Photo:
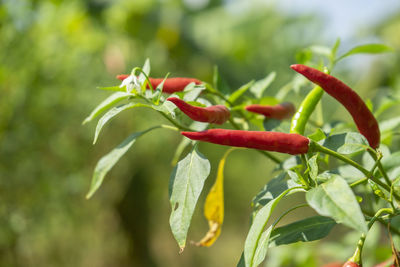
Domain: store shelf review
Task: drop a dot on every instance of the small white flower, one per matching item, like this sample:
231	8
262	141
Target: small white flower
130	82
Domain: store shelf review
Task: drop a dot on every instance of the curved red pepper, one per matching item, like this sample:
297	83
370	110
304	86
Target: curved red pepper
272	141
281	111
217	114
362	116
171	85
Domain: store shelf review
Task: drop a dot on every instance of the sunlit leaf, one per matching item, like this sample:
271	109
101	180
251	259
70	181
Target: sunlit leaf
106	104
239	92
367	49
186	184
192	91
111	114
108	161
335	199
259	87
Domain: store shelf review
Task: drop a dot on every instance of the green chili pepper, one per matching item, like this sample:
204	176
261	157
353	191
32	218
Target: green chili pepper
305	110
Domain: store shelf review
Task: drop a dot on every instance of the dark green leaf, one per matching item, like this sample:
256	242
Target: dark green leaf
220	83
186	184
306	230
239	92
335	199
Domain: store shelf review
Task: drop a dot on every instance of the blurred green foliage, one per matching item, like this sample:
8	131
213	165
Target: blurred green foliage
54	53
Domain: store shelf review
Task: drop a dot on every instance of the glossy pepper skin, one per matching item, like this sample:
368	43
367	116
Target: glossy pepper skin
362	116
217	114
171	85
280	112
293	144
305	110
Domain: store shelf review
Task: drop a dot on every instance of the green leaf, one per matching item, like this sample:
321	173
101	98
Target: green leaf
106	104
273	189
108	161
335	48
239	92
146	70
256	243
220	83
192	91
259	87
271	124
158	92
306	230
335	199
317	136
196	126
186	184
111	114
367	49
346	143
349	173
241	261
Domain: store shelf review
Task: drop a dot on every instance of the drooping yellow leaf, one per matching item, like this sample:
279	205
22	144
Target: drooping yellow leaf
214	206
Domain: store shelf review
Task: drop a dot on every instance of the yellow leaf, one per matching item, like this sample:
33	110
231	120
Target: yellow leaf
214	206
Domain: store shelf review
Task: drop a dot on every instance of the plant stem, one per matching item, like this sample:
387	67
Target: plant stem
380	167
325	150
392	229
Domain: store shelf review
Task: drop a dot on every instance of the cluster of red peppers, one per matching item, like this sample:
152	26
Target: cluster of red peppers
290	143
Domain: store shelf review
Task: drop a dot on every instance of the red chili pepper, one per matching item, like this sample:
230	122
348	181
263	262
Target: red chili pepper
362	116
351	264
281	111
217	114
272	141
171	85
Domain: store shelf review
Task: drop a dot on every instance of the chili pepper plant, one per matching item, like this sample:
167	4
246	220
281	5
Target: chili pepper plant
347	171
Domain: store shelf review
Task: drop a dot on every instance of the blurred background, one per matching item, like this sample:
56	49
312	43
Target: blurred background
53	55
